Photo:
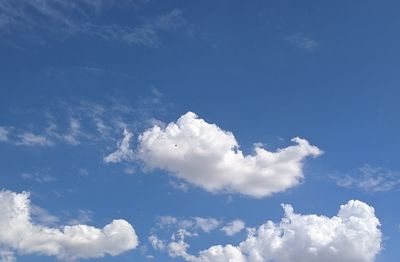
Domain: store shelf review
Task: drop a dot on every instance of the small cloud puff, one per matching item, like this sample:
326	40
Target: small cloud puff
233	227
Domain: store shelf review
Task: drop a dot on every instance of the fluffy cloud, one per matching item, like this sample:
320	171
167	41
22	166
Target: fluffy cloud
156	243
233	227
351	236
206	224
20	234
123	152
207	156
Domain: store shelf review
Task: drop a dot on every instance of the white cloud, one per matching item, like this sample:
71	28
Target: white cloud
7	256
351	236
206	224
233	227
371	179
30	139
156	243
123	152
202	154
19	234
178	247
182	228
166	221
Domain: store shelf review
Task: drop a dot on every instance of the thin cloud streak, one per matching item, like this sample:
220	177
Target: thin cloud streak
34	20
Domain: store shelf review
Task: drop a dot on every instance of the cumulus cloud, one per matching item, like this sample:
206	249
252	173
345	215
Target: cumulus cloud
233	227
123	152
19	234
204	155
351	236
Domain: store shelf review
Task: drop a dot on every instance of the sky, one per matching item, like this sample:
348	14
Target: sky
199	131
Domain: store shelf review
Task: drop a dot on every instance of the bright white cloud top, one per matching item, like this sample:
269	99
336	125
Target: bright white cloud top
351	236
20	234
234	227
207	156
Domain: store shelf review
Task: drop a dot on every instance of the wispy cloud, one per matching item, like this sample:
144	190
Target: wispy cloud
84	216
30	139
191	225
371	179
76	123
42	216
35	19
146	34
302	42
39	177
179	185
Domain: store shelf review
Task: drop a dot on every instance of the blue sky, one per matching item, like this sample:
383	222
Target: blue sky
87	91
